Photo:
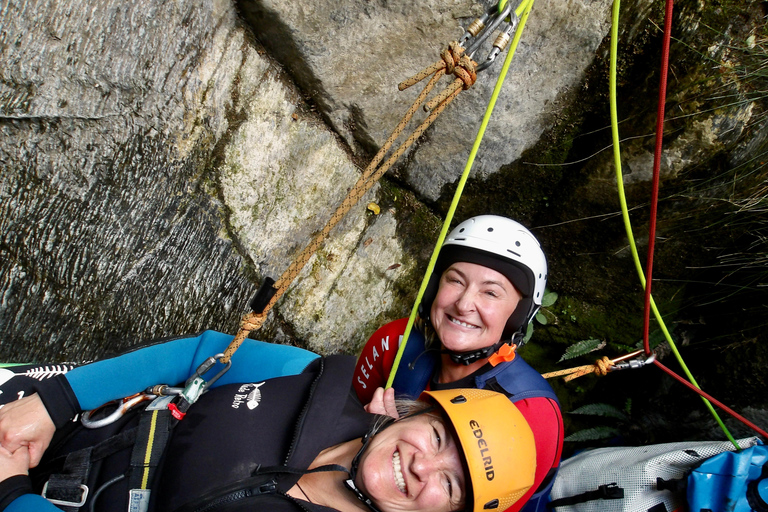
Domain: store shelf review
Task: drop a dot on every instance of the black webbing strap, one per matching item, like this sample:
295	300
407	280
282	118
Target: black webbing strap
154	433
604	492
68	489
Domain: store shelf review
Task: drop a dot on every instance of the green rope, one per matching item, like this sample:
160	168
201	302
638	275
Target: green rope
525	9
625	213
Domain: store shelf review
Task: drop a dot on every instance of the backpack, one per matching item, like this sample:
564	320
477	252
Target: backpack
638	479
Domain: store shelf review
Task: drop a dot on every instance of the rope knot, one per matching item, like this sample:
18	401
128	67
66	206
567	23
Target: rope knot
452	56
459	64
466	71
603	366
252	321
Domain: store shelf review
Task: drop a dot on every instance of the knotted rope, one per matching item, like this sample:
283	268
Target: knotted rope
601	367
463	68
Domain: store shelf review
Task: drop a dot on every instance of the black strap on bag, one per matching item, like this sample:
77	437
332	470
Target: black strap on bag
605	492
154	433
69	490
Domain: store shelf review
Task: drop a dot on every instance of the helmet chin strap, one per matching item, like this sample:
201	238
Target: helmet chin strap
471	356
350	482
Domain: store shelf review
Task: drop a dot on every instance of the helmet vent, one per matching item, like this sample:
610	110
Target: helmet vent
490	230
517	243
491	505
510	251
460	399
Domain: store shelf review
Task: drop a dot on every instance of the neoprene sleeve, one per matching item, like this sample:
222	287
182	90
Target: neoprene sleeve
172	362
31	503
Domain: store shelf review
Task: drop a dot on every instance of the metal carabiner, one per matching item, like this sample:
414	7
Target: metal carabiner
196	385
124	405
207	365
481	29
634	363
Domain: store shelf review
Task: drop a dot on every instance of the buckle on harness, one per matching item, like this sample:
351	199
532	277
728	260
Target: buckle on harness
65	503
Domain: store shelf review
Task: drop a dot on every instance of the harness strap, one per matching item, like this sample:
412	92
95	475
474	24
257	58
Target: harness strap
69	489
154	429
154	433
604	492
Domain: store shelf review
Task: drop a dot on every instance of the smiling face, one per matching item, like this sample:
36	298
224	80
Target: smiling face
414	464
472	306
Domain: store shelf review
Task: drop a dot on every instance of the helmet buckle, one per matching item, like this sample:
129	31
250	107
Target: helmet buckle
505	353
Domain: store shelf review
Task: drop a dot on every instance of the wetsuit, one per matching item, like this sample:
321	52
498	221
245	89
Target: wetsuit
214	450
529	391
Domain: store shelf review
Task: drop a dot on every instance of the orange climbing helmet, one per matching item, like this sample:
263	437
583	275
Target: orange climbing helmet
496	441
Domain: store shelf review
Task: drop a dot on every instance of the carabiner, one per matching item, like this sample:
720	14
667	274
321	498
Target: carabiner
207	365
124	405
501	42
634	363
196	385
483	27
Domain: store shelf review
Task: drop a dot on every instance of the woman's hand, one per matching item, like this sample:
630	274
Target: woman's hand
12	464
26	424
383	402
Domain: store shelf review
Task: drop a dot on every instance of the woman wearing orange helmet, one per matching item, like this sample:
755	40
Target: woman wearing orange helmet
306	444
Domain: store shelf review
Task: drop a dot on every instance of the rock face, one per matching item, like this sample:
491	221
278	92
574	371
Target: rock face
350	54
156	165
160	160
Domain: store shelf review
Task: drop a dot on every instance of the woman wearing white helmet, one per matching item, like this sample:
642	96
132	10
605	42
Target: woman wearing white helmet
487	285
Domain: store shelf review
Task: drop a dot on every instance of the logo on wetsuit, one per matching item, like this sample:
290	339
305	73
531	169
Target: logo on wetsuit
484	450
248	394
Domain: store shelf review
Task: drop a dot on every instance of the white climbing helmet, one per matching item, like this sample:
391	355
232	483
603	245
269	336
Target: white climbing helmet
505	246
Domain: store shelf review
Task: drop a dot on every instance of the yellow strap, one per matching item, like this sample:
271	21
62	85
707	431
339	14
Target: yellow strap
148	454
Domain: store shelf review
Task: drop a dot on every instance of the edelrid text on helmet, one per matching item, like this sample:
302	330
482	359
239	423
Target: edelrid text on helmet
505	246
497	444
485	451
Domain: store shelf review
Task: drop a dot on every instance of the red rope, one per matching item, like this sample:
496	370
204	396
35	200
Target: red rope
657	171
652	223
714	401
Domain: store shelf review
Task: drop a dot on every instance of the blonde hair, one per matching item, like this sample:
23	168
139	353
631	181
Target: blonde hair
405	407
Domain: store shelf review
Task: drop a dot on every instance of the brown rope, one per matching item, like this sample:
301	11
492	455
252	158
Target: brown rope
464	70
601	367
